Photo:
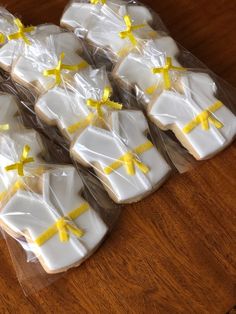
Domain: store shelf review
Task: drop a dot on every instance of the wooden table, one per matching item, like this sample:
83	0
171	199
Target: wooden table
175	251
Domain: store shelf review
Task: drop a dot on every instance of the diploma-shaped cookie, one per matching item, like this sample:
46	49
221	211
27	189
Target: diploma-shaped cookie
49	62
9	116
73	109
127	163
202	123
60	226
14	36
17	151
139	69
114	28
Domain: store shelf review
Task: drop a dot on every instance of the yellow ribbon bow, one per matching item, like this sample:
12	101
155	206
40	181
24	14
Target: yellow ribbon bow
98	1
205	118
4	127
128	33
24	159
21	32
60	66
165	71
105	101
2	38
130	160
64	226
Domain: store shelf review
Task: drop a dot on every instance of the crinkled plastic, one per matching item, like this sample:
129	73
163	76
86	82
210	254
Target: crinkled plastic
44	207
103	135
179	94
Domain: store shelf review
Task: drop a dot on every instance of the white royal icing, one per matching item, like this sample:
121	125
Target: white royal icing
65	107
31	214
11	147
172	109
105	33
44	55
136	68
82	15
100	148
12	49
8	112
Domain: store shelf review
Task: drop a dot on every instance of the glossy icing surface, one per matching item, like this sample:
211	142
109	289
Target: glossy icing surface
100	148
31	214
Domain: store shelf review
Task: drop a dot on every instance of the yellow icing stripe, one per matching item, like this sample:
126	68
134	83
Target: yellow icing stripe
204	118
21	32
63	226
128	33
81	124
98	1
60	66
165	72
129	160
105	101
14	188
24	159
4	127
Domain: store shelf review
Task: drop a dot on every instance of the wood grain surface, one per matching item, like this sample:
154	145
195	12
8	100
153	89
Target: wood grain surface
175	251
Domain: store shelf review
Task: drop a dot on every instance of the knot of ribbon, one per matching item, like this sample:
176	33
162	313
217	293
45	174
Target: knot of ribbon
64	227
130	160
204	119
60	66
21	32
98	1
24	159
4	127
128	33
165	71
105	101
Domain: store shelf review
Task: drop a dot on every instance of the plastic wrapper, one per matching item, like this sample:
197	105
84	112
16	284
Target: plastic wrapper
104	136
44	207
178	93
14	36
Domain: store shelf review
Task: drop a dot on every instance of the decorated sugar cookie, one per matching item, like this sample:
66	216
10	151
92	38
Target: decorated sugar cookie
50	62
60	226
18	150
115	28
81	15
202	123
139	69
127	163
74	108
14	36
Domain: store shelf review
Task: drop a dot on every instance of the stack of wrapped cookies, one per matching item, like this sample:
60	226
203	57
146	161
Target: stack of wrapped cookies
117	90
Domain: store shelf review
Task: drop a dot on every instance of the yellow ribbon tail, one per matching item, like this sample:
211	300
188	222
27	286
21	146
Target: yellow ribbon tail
2	38
114	105
167	80
151	90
